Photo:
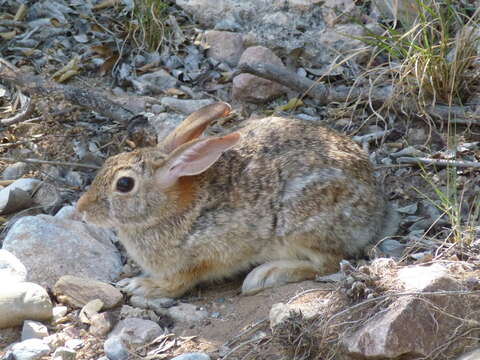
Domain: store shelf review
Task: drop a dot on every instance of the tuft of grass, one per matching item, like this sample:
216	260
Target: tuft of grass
433	60
149	27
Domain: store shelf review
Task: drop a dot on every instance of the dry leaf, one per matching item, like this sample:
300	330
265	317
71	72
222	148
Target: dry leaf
8	35
106	4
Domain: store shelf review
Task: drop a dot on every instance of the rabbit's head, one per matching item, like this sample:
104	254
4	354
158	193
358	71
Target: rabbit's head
143	186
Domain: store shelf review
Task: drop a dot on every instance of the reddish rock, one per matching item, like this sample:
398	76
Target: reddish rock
252	88
224	46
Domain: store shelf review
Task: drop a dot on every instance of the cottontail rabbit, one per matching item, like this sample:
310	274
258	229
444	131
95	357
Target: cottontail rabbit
287	196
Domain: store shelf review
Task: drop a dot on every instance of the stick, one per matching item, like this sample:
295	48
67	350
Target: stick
438	162
33	84
39	161
371	137
311	88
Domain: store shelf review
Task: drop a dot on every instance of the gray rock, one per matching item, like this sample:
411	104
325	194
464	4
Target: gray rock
164	123
187	313
134	331
33	330
156	304
31	349
114	349
134	312
14	171
64	353
17	195
185	106
154	83
389	335
23	301
11	269
251	88
74	344
77	292
192	356
101	324
68	212
47	197
409	209
224	46
63	247
90	309
472	355
392	248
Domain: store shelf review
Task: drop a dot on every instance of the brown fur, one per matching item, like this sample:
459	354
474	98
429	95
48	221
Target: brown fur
291	195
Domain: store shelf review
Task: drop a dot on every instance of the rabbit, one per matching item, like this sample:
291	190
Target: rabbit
286	197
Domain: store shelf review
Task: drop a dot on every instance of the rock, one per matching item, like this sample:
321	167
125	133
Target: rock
30	349
17	195
252	88
192	356
77	292
134	331
68	212
11	269
47	197
63	247
23	301
33	330
156	304
340	39
64	353
187	313
224	46
154	83
114	349
409	209
101	324
90	309
472	355
74	344
403	10
185	106
59	312
392	248
164	123
412	326
133	312
14	171
338	11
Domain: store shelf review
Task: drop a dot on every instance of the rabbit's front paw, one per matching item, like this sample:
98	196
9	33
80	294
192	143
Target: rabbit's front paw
148	287
277	273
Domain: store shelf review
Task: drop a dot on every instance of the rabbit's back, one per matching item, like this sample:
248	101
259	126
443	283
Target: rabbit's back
291	186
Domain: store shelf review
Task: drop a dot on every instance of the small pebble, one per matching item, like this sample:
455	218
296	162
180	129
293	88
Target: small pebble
64	353
192	356
114	349
30	349
33	330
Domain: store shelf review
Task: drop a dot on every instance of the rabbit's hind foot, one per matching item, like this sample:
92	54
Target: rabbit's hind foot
149	287
278	273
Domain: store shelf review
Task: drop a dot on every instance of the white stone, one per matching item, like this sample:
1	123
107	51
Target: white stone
31	349
59	312
23	301
33	330
64	353
11	269
63	247
135	331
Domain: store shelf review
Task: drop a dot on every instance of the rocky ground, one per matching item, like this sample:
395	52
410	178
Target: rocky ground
414	295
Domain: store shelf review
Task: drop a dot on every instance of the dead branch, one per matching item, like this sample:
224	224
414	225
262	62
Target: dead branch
455	114
312	88
26	109
34	84
438	162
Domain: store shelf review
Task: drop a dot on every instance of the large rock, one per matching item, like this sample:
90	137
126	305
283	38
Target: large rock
411	326
77	292
23	301
51	247
187	313
252	88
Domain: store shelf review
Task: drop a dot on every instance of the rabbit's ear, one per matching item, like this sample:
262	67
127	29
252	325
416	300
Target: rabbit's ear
194	125
193	158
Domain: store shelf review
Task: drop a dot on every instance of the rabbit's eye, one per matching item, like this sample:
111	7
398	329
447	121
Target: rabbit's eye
125	184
